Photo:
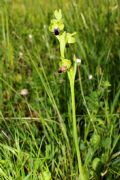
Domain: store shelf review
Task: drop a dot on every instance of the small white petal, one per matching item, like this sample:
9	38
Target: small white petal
24	92
55	27
30	36
90	76
20	54
79	61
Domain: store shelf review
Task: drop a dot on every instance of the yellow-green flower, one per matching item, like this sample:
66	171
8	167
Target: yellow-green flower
56	24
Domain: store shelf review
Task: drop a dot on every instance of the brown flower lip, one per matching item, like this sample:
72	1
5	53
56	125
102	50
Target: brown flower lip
62	69
56	31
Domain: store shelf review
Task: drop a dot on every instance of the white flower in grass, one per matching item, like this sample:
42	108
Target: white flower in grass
79	61
90	76
30	37
24	92
20	55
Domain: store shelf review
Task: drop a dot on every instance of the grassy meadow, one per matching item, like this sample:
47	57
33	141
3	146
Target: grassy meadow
36	131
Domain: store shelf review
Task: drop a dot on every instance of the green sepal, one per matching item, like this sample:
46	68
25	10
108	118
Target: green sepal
58	14
71	38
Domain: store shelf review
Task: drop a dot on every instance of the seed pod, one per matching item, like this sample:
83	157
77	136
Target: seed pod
56	31
62	69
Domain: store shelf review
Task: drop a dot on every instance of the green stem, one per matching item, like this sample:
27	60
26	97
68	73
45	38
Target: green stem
75	134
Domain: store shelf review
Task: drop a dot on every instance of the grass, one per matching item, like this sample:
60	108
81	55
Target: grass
36	137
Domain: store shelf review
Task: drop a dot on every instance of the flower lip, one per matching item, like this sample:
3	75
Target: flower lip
56	31
62	69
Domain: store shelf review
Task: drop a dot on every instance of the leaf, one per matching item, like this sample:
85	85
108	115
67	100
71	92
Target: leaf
93	102
106	84
115	101
106	143
100	121
46	175
97	167
82	146
95	140
89	156
96	163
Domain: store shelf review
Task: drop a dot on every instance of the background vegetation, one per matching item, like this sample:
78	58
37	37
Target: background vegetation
33	144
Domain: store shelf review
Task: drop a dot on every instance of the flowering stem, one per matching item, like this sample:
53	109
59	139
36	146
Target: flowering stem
75	134
66	65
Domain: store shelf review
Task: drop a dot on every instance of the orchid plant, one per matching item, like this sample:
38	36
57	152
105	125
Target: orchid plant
69	66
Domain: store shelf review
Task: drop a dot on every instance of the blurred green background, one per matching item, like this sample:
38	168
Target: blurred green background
32	142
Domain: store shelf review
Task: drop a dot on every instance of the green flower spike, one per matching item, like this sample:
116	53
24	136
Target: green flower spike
65	64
